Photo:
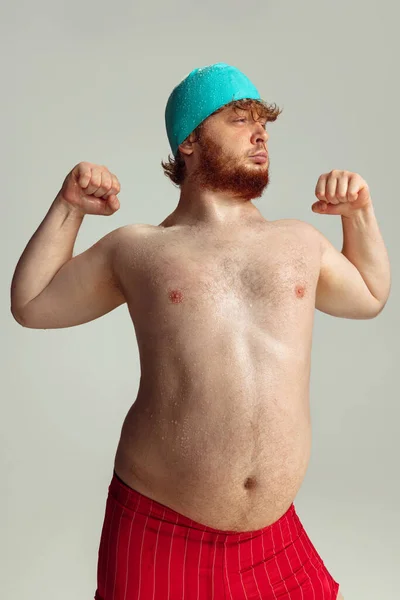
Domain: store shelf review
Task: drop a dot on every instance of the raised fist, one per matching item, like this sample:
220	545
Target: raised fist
91	189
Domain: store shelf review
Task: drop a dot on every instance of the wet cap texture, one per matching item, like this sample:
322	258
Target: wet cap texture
201	93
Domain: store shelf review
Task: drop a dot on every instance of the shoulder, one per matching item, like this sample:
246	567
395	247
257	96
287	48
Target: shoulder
133	229
300	226
126	240
307	232
295	223
132	232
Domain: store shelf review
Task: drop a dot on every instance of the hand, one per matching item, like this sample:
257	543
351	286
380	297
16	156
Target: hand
341	193
91	189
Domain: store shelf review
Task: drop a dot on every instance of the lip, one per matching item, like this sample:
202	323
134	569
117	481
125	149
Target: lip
264	154
260	158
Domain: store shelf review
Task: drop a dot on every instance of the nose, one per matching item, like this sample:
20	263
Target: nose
260	134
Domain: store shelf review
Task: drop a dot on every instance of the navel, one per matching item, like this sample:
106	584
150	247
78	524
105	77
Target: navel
176	296
250	483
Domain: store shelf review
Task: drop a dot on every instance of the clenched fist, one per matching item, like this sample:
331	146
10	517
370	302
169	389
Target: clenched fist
91	189
341	193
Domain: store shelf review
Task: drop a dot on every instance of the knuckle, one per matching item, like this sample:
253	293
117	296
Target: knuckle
83	167
107	182
114	183
95	179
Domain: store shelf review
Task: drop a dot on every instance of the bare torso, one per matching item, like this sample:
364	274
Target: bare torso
220	430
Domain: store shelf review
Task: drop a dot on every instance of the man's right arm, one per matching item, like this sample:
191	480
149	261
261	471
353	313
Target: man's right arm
51	289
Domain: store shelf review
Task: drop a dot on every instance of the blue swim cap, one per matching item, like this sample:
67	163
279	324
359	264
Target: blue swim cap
201	93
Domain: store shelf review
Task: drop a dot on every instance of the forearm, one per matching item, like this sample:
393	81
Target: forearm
363	246
50	247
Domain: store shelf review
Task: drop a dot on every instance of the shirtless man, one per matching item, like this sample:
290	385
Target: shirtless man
216	445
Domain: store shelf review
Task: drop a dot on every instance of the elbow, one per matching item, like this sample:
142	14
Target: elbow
381	303
380	307
18	318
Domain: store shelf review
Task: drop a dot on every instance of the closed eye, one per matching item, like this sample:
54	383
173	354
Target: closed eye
265	124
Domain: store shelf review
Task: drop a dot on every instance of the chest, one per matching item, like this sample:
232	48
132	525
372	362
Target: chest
280	268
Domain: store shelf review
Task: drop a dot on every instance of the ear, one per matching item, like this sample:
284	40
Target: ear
187	145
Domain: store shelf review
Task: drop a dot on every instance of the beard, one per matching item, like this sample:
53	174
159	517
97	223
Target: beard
219	171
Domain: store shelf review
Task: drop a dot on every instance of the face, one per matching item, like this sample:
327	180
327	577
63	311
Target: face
221	157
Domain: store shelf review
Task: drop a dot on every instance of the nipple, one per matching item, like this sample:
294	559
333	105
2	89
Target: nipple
300	291
176	296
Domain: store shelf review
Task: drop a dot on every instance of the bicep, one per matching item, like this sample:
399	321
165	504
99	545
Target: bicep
341	290
84	289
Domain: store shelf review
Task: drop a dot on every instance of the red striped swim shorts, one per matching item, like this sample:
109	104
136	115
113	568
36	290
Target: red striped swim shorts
150	552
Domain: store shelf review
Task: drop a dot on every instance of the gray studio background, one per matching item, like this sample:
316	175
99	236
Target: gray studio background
89	81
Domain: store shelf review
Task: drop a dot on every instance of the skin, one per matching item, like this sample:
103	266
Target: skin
220	430
222	302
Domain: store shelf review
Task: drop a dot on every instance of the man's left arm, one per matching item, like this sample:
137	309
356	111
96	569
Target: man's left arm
354	283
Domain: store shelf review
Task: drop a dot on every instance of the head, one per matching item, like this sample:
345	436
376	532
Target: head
215	121
217	154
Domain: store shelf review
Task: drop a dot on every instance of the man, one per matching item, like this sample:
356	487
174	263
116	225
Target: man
216	445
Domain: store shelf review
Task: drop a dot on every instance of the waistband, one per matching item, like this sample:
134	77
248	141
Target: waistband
288	526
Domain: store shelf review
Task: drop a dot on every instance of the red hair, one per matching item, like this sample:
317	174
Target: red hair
175	168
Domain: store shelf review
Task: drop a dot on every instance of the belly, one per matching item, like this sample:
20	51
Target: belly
233	460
